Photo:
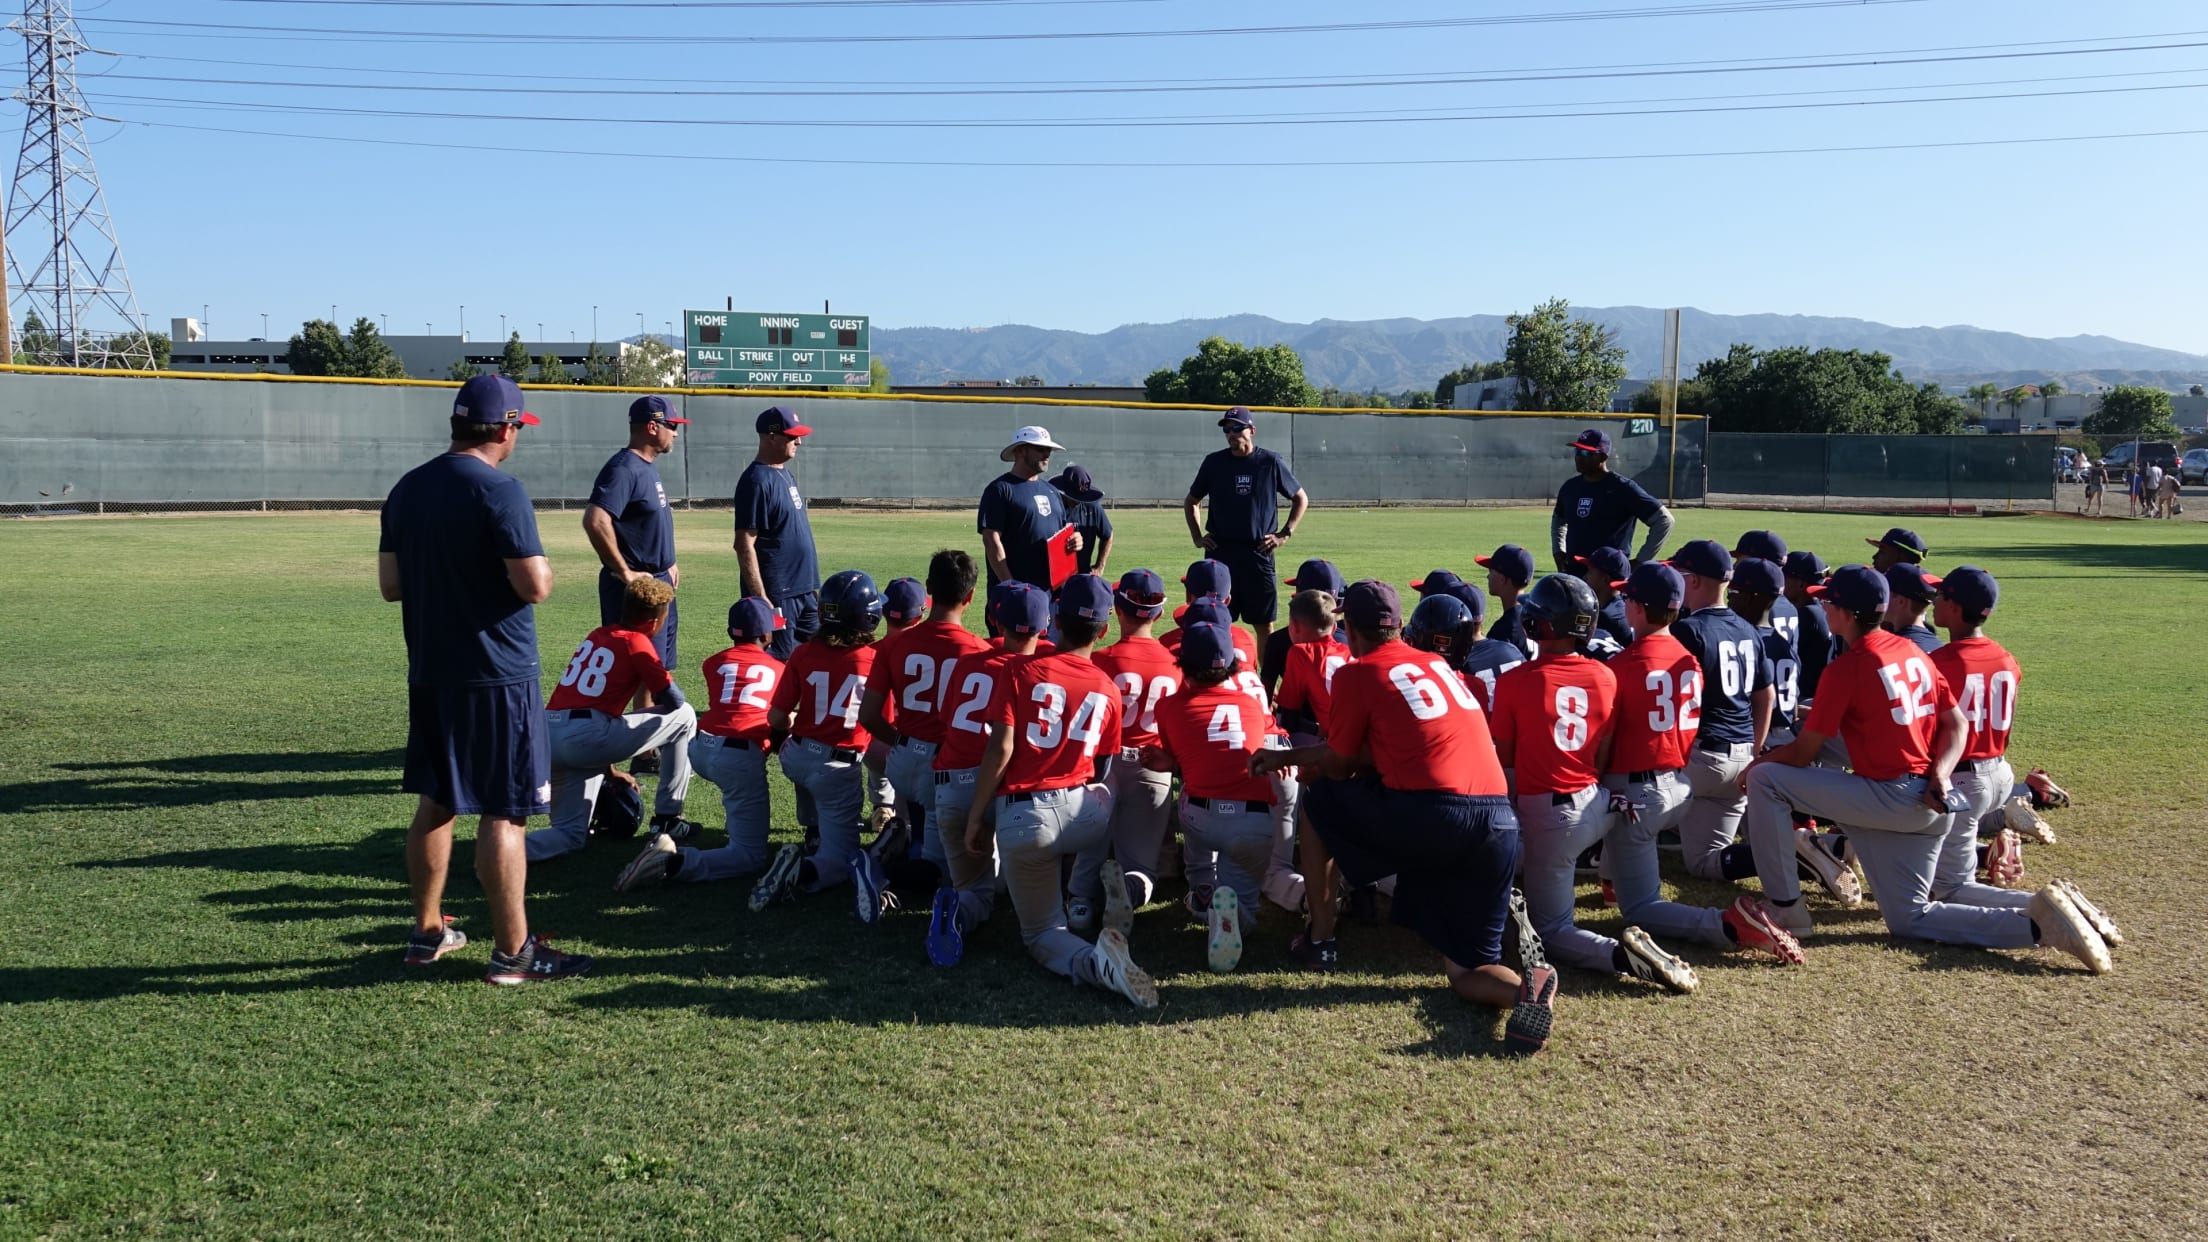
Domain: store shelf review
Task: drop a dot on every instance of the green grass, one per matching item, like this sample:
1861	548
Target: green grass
204	1028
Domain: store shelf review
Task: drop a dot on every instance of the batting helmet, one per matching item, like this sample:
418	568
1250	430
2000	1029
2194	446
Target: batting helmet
849	604
1559	606
1443	625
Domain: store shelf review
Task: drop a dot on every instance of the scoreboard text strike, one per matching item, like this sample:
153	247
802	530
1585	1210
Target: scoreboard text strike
776	351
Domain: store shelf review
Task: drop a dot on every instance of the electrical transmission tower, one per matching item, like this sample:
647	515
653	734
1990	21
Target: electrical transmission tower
64	265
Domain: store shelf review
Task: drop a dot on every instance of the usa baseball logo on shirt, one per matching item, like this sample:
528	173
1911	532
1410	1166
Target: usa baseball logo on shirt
661	488
1042	505
1586	505
1242	485
796	501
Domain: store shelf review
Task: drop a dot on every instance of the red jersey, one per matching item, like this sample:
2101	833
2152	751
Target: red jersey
1424	728
1307	677
917	667
1211	732
1245	643
1063	710
1882	696
1659	705
1554	711
1145	673
1983	678
821	689
741	683
966	723
606	671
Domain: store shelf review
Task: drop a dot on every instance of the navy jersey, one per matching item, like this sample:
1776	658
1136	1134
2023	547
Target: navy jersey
1786	671
1815	645
1923	637
1095	525
768	502
1242	494
1734	666
1600	513
1611	621
1510	628
1487	660
454	522
629	490
1024	514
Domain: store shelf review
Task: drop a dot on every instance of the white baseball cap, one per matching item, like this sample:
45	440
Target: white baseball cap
1037	436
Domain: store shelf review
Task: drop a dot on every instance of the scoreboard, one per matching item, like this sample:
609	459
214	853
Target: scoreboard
754	350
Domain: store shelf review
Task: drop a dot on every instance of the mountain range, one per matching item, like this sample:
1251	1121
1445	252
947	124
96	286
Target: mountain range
1396	354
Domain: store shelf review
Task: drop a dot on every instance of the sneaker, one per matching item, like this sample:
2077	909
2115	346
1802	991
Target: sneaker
677	829
1119	904
1198	900
422	948
1312	954
2025	821
1117	972
1141	889
870	889
1223	930
779	883
1647	961
1754	928
538	962
1080	916
2103	924
946	939
1530	953
649	867
892	843
2005	860
1832	873
1527	1031
2062	926
2045	792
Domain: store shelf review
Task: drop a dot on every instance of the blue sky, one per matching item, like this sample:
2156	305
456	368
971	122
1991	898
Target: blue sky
593	204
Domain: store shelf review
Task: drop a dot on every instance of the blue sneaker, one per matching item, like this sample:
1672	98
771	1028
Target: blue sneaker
870	887
946	942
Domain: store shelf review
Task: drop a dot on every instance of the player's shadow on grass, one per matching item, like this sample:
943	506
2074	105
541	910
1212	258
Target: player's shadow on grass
203	780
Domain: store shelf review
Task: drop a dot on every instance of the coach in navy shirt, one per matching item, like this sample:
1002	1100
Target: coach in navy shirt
1597	509
1020	510
1243	484
774	538
459	553
628	521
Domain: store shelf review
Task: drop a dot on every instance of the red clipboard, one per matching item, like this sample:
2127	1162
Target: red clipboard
1064	561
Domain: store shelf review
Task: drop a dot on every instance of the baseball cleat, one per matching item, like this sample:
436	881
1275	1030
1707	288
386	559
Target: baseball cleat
422	948
1198	900
892	842
538	962
1119	904
1223	930
2025	821
1527	1030
779	883
2045	792
2062	927
1832	873
676	827
2005	860
2103	924
646	764
1646	960
1754	928
1117	972
946	940
1081	916
1313	954
1530	953
870	889
649	867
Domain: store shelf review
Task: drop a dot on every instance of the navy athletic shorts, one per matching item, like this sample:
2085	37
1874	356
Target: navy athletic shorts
1256	595
610	592
801	620
1452	855
479	750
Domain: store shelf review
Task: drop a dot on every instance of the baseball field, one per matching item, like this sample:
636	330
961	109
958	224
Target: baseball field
205	1029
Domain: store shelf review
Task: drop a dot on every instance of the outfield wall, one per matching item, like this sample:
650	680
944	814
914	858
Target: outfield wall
87	440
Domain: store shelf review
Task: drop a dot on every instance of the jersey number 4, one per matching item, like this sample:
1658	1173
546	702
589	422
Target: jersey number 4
1050	727
843	704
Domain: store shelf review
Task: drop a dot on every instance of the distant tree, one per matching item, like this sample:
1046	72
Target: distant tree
2013	400
2198	391
1222	372
1028	381
1934	412
2131	410
651	363
461	371
601	368
1825	390
127	343
1415	399
514	362
550	370
1650	400
317	349
878	373
37	347
1987	392
1445	391
2053	388
368	355
1562	363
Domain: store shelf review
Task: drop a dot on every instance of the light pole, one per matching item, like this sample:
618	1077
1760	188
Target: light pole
502	327
264	325
540	329
204	330
594	325
640	323
463	321
385	316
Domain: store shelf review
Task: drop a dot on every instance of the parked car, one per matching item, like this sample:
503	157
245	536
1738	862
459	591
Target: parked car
2193	467
2150	453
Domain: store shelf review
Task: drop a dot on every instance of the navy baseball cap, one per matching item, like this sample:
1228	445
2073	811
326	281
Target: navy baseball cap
1855	588
1807	566
1142	593
1593	440
1074	481
904	599
1208	577
1907	542
1237	418
1437	582
1205	648
1371	604
1758	576
492	399
1318	574
1612	562
653	409
1511	561
1972	588
1085	596
780	419
1203	612
753	617
1761	543
1911	582
1019	608
1706	557
1654	585
1474	598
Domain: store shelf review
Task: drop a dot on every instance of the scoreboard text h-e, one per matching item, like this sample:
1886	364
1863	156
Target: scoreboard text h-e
750	349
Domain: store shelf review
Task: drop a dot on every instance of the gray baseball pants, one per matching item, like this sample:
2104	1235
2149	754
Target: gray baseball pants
1714	807
1553	830
911	771
1986	783
838	789
739	769
1142	803
973	875
1629	858
1034	832
1244	836
584	744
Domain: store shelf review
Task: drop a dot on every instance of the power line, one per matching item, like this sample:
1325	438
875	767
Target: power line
695	4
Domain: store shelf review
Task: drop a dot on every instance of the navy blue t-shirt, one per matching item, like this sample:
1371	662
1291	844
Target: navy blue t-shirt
1734	666
454	522
629	489
1611	621
1815	645
1601	513
768	502
1923	637
1242	494
1095	525
1510	628
1024	514
1489	659
1786	672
